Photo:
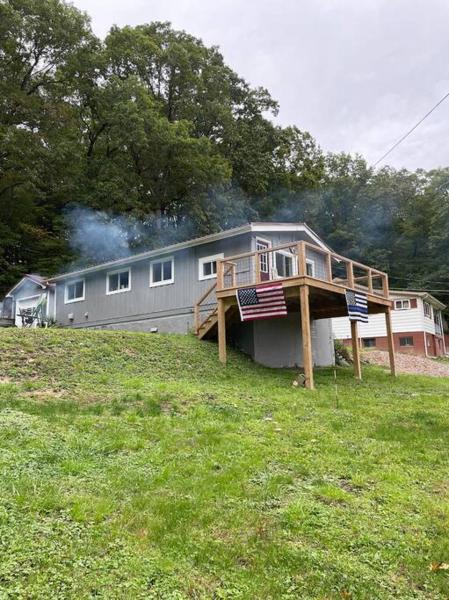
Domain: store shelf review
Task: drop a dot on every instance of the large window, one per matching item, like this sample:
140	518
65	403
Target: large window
207	266
118	281
406	341
402	304
74	291
285	263
162	271
427	310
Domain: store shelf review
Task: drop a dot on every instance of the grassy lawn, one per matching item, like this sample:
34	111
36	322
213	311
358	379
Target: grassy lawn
135	466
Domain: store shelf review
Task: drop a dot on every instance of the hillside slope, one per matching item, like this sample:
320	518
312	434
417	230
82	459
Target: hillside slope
135	466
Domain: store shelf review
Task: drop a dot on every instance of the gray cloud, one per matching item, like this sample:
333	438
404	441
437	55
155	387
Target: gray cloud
356	74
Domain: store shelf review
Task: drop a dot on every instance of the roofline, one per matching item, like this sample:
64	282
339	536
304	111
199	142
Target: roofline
424	295
30	278
212	237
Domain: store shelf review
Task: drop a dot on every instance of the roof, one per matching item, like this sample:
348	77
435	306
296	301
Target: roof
35	278
420	294
258	227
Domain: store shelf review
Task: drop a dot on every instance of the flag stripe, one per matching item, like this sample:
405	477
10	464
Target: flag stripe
357	306
263	301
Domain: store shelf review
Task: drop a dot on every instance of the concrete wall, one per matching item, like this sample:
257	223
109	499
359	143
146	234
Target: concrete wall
278	342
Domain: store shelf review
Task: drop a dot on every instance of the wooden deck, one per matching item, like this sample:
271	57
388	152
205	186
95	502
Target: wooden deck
313	296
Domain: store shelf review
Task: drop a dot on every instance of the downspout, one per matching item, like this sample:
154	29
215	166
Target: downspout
425	343
54	301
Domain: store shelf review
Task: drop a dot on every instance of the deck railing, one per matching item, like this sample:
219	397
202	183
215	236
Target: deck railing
299	259
287	262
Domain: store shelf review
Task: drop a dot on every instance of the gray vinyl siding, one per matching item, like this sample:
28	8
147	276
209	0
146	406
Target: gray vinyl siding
142	301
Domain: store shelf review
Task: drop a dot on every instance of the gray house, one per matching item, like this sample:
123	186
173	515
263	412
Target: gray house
156	291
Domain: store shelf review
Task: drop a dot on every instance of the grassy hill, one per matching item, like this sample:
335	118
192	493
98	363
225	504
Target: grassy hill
135	466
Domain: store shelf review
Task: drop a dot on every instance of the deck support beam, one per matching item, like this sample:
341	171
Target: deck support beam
356	350
307	358
390	341
221	310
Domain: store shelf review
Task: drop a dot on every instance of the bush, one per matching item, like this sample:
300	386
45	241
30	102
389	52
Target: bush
342	354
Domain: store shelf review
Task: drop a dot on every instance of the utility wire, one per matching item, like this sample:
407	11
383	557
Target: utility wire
412	129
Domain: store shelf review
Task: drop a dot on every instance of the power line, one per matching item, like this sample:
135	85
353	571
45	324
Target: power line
412	129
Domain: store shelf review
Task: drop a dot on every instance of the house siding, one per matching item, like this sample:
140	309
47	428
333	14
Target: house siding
143	302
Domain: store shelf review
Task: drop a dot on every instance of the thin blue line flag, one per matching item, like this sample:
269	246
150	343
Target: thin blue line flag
357	304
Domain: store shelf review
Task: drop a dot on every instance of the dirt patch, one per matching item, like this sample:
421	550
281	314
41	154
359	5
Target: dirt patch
408	363
5	379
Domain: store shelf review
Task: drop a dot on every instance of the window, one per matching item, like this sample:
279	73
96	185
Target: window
369	342
74	291
162	271
406	341
310	267
285	264
264	260
118	281
207	266
402	304
427	310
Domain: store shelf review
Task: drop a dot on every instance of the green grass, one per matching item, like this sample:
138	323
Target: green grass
135	466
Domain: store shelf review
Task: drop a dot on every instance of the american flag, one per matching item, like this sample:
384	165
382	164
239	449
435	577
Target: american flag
357	304
262	302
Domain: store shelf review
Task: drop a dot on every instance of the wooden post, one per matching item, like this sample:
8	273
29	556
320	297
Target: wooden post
350	274
221	330
370	281
220	275
329	265
356	350
257	267
196	312
234	275
306	337
302	265
385	287
390	341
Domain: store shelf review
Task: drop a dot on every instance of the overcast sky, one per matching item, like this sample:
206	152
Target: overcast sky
357	74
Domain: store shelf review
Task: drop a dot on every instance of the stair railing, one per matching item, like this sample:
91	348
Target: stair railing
222	272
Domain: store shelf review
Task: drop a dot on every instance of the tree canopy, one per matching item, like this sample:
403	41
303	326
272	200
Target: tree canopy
150	124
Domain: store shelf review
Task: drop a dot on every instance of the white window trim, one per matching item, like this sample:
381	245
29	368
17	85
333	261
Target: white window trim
287	254
430	315
310	262
165	281
269	254
402	307
206	259
108	291
72	281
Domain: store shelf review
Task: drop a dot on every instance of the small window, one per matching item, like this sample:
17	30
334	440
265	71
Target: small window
310	267
118	281
402	304
406	341
427	310
207	266
369	342
74	291
162	272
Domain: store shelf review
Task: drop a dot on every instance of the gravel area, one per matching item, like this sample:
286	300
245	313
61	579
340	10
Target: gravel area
409	363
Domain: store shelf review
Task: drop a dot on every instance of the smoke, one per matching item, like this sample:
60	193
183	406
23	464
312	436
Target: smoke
96	237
